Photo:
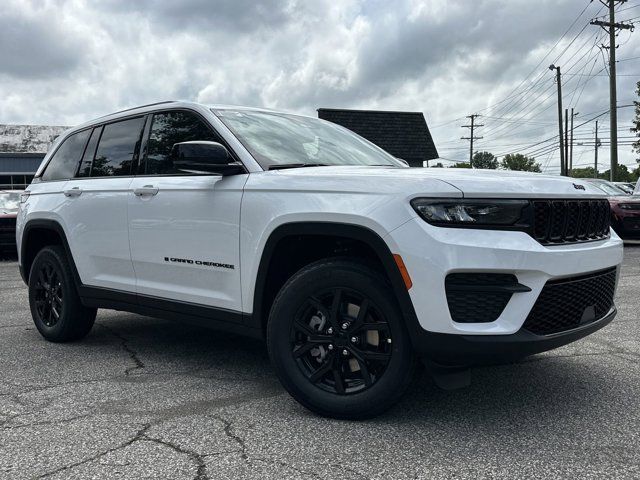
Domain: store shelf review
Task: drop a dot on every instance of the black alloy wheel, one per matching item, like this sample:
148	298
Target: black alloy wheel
341	341
48	294
337	340
56	307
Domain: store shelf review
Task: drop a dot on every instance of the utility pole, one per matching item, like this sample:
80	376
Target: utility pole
471	137
566	142
597	143
559	82
611	26
571	142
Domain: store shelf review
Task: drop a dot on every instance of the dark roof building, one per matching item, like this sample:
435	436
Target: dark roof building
404	135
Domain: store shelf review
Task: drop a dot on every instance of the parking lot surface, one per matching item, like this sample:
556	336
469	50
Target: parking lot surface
147	398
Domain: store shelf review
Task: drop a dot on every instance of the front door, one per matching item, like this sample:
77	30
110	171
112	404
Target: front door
184	228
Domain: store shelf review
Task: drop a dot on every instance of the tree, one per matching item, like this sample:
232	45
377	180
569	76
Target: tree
461	165
517	161
636	124
622	174
484	160
587	172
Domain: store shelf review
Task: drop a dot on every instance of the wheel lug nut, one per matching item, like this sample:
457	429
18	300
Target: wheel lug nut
345	352
345	325
330	347
388	340
329	331
354	339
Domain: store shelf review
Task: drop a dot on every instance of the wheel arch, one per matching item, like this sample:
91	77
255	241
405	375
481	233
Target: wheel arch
37	234
346	231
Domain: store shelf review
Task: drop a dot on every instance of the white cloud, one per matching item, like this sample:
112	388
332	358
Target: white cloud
72	60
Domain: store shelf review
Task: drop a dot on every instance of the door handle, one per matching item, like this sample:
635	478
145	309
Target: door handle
146	190
73	192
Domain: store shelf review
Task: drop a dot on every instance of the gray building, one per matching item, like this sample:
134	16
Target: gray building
22	148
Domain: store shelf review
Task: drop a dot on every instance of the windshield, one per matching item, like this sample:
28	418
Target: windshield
626	187
281	139
610	188
9	202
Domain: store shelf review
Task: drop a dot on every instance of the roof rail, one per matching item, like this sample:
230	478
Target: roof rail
135	108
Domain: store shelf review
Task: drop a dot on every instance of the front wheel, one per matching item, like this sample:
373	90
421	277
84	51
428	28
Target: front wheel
337	340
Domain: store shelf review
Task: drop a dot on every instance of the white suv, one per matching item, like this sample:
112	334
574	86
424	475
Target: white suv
296	230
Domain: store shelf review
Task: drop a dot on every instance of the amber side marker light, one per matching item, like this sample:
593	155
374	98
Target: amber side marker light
403	271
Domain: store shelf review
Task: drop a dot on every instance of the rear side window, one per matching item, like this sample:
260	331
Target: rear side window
167	129
65	160
89	152
117	148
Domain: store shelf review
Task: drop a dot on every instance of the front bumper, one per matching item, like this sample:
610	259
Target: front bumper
431	253
469	350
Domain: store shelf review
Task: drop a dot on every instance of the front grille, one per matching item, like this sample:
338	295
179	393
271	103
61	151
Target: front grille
570	221
471	299
572	302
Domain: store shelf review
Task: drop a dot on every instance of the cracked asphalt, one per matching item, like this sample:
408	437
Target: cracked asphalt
147	398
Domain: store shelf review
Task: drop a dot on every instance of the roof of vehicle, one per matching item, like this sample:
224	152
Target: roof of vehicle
171	104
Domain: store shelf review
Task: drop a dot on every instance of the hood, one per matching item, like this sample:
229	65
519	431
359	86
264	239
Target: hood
472	183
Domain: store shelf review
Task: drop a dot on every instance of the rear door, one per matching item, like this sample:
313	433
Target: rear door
184	227
96	205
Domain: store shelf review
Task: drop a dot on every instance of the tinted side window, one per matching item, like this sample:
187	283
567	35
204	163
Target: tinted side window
65	161
87	158
167	129
118	145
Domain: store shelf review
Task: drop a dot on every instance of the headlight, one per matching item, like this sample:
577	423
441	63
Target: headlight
629	206
463	212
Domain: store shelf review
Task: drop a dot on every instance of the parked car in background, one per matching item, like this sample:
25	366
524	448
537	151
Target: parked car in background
625	209
628	187
637	190
9	202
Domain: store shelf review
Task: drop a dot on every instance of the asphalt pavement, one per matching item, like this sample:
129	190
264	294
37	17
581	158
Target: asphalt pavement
147	398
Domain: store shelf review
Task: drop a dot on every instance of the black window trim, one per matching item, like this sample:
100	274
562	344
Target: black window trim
145	134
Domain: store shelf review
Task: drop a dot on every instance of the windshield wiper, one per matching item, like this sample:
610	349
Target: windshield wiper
282	166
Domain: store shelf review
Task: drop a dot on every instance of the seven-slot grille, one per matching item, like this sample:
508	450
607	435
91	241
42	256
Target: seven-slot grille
572	302
570	221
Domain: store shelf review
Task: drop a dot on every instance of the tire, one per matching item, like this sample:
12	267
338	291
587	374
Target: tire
56	309
356	372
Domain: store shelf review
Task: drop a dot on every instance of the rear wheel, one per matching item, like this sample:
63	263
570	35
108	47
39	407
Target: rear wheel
57	311
337	340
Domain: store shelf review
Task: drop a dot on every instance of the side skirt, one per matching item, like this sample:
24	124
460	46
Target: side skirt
185	312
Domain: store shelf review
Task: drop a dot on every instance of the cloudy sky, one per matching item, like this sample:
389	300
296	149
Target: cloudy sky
64	62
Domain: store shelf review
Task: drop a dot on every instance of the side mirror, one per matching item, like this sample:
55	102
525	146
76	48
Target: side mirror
204	157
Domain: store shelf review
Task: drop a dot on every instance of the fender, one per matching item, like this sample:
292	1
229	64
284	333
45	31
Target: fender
351	231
